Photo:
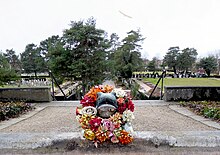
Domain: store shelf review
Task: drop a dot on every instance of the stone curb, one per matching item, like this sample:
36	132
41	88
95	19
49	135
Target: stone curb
188	113
13	121
174	139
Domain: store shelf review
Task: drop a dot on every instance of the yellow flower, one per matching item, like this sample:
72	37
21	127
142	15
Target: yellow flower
89	134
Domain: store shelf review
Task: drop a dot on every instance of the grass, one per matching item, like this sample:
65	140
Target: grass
185	81
150	72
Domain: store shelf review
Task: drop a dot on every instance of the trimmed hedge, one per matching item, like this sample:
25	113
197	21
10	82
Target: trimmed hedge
13	109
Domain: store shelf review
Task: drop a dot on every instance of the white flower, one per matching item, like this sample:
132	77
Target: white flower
89	110
128	127
127	116
119	92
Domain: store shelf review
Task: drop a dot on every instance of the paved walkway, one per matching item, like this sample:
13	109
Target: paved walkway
156	121
143	87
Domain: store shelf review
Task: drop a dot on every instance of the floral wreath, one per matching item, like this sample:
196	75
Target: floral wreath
117	128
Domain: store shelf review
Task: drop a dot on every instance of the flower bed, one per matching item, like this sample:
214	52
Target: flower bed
208	109
106	114
13	109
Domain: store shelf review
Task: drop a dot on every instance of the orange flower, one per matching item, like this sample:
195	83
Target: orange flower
125	137
116	119
102	134
107	89
93	92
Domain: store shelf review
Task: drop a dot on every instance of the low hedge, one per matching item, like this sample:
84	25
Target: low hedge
208	109
13	109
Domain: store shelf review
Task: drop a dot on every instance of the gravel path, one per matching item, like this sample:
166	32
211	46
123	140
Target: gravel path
51	119
147	118
162	118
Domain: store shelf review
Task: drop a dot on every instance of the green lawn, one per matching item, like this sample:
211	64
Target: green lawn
159	72
186	81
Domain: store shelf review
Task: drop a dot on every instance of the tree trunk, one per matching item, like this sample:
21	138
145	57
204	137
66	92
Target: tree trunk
208	72
174	69
83	87
35	74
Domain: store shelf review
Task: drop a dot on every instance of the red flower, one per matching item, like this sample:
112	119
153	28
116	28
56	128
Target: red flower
124	104
130	105
122	108
87	101
95	123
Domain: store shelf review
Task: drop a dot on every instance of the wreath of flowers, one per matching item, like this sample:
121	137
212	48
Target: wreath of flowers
117	128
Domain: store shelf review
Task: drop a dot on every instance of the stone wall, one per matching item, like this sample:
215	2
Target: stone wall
33	94
191	93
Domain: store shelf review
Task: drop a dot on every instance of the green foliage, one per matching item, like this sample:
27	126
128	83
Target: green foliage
170	59
58	60
180	59
211	112
152	64
13	109
128	56
6	72
32	60
114	44
209	64
209	109
81	53
84	53
186	59
134	90
13	60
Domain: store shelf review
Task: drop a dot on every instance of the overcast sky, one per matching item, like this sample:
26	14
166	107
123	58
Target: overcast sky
164	23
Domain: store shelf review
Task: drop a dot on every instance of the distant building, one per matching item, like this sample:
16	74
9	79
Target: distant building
200	71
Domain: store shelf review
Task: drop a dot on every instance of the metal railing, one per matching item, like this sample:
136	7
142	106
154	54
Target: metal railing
161	90
54	80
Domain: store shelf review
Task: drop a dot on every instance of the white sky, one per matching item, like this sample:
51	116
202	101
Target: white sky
164	23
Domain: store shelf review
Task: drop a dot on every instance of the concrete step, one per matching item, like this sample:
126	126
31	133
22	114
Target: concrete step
142	138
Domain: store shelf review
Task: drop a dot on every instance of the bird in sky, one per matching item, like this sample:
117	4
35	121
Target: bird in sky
124	14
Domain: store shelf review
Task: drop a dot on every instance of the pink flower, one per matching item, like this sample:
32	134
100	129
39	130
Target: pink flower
114	139
107	123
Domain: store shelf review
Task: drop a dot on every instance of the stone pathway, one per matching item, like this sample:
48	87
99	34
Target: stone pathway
143	87
154	120
147	118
